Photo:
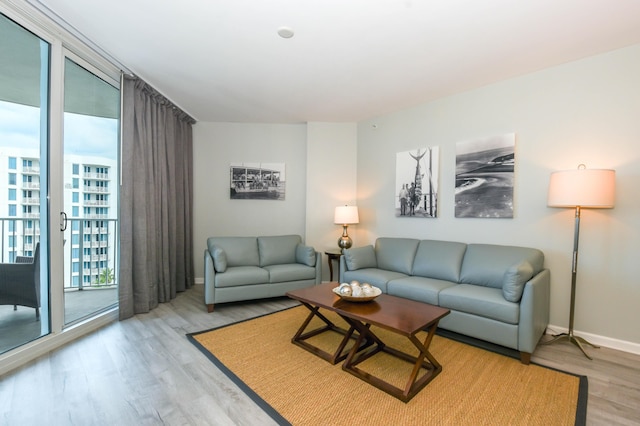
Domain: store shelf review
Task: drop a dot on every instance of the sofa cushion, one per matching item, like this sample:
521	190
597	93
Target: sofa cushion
219	258
483	301
373	276
290	272
305	255
439	259
485	264
240	251
514	280
360	257
242	275
396	254
418	288
278	250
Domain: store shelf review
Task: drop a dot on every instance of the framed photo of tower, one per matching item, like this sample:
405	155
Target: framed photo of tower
416	192
484	177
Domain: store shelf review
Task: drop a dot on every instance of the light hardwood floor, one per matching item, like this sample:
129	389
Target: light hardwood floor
143	371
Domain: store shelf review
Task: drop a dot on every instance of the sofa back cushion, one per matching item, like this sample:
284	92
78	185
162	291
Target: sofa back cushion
278	250
486	264
439	259
396	254
239	251
360	258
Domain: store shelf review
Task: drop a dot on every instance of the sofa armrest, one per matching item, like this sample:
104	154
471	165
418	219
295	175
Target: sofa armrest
343	269
318	267
209	278
534	311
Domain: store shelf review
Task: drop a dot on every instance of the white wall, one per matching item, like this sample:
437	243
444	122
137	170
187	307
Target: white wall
215	147
586	111
331	182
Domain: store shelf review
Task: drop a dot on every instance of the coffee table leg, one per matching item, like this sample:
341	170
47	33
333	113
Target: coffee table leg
414	384
300	337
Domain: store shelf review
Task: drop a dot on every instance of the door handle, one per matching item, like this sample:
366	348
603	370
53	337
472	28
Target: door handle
63	221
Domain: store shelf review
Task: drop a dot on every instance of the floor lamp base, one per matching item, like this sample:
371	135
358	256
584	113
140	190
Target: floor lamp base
570	337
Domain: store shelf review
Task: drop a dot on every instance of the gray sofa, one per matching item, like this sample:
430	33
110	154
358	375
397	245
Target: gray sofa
499	294
246	268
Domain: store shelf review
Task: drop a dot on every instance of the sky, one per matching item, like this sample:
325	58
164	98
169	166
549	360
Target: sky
84	135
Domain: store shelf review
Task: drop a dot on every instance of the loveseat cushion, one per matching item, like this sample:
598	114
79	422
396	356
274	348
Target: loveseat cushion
240	251
242	275
219	258
482	301
396	254
305	255
485	264
360	258
290	272
278	250
439	259
514	280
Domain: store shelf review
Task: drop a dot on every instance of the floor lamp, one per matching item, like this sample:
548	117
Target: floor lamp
580	188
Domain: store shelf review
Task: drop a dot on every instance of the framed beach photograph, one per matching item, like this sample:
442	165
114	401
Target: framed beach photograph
257	181
484	177
417	174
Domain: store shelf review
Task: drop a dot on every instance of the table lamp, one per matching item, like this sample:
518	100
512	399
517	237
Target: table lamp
345	216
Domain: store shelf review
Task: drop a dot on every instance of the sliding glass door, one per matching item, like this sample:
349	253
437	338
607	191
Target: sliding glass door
24	100
59	180
91	112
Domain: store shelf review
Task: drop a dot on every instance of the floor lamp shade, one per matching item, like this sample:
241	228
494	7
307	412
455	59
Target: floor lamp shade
589	188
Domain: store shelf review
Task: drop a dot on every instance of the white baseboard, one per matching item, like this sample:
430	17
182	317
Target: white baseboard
198	280
608	342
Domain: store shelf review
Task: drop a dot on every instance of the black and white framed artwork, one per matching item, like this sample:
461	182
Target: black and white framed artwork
257	181
416	192
485	176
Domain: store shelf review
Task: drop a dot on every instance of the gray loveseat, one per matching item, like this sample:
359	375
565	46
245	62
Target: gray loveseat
245	268
496	293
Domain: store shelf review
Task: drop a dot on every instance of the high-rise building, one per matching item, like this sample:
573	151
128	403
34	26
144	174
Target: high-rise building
90	208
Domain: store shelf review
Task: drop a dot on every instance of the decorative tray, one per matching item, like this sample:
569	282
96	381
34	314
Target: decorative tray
375	292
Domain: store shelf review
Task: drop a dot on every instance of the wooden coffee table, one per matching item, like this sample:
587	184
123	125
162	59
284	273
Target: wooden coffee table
402	316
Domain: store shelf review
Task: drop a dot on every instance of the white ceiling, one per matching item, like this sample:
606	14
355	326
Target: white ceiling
349	60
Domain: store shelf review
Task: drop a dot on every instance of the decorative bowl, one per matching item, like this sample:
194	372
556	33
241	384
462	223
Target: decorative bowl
375	292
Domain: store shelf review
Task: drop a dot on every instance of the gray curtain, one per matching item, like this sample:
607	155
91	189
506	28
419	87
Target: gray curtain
156	199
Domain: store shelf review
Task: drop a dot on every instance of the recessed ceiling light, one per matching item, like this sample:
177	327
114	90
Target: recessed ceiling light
285	32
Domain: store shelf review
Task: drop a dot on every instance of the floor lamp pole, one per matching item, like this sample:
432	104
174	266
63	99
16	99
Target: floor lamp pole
569	336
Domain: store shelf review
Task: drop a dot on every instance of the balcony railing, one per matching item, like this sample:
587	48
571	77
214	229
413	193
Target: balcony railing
19	240
101	176
95	189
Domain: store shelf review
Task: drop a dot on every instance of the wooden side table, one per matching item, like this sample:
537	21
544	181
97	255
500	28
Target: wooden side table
332	255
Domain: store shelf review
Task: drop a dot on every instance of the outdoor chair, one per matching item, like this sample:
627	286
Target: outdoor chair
20	282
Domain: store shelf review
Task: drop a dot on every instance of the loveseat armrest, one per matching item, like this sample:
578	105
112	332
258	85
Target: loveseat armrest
318	267
534	311
209	280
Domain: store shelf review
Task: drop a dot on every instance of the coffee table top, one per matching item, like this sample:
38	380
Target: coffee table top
403	316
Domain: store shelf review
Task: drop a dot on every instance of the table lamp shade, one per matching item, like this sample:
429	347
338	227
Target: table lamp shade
589	188
346	215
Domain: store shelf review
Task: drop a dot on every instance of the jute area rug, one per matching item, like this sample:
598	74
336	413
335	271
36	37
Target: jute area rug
475	387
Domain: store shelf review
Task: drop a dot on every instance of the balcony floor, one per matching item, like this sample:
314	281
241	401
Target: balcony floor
20	326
